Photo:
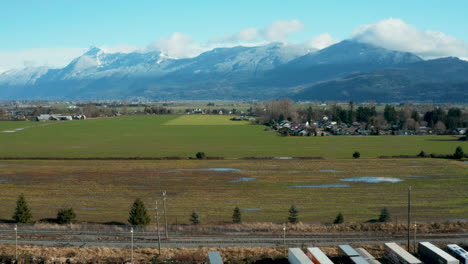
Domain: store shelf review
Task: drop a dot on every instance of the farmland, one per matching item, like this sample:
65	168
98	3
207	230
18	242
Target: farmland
182	135
102	191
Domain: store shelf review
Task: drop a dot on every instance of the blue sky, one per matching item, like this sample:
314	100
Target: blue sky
46	25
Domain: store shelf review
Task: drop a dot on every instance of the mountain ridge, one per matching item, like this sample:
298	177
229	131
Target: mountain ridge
262	72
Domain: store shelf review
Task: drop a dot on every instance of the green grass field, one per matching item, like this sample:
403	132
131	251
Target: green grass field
182	135
103	191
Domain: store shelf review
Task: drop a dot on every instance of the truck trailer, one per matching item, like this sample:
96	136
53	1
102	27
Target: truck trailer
429	253
397	255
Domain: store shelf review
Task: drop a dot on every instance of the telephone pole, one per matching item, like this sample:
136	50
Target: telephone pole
157	223
131	233
165	214
16	243
409	216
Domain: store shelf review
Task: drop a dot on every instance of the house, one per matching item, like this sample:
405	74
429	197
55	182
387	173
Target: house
43	118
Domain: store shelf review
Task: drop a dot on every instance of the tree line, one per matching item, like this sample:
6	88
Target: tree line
139	214
442	119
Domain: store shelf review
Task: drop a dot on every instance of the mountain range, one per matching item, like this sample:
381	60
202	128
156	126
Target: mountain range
345	71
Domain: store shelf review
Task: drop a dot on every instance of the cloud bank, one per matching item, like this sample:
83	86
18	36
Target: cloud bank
395	34
390	33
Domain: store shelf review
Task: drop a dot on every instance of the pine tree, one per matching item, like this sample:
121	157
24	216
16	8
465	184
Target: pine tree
65	216
195	218
293	215
384	215
138	214
22	212
236	216
459	154
339	219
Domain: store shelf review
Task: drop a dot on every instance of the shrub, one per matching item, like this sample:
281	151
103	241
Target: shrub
339	219
22	212
195	218
459	154
138	214
293	215
200	155
356	155
236	215
384	215
65	216
423	154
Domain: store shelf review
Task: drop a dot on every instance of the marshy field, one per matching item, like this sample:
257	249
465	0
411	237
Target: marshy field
103	191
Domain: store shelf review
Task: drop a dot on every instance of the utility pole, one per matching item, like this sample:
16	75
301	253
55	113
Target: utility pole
414	238
16	243
284	234
157	223
131	234
409	216
165	213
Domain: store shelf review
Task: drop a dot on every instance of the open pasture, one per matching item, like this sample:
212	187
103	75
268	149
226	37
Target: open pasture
103	191
184	135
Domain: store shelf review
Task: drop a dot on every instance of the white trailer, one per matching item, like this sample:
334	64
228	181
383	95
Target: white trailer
397	255
429	253
214	257
358	260
458	252
296	256
349	251
317	256
367	256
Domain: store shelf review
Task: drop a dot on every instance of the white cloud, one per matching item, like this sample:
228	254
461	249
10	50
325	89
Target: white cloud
51	57
177	46
395	34
321	41
280	30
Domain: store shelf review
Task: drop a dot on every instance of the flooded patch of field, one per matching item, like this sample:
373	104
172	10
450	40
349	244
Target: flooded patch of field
221	169
373	179
243	179
339	185
251	209
2	180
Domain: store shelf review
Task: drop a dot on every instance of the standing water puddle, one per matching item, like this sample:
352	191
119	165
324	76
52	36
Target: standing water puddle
321	186
243	179
251	209
2	180
221	169
373	179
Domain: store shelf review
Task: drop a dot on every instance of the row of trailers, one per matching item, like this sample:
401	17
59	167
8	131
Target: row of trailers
427	252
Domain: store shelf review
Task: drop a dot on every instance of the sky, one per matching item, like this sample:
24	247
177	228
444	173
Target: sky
53	32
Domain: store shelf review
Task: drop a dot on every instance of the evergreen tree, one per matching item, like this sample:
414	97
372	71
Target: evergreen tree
384	215
236	216
459	154
339	219
195	218
22	212
138	214
65	216
390	114
356	155
200	155
293	215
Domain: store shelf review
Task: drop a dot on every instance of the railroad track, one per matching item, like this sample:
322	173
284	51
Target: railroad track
149	239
